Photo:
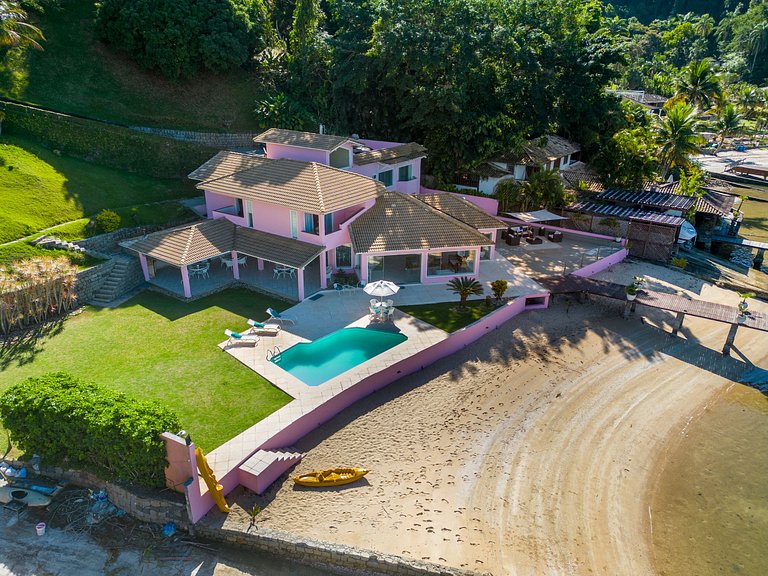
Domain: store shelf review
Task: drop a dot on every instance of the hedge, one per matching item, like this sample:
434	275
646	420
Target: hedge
108	144
82	425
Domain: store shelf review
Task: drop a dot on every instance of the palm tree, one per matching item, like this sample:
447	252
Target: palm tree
14	28
699	84
758	41
705	25
465	287
677	138
544	189
727	123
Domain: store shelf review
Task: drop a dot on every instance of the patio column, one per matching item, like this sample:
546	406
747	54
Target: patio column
260	263
300	278
423	272
332	259
493	246
476	271
185	282
144	266
235	267
364	268
323	266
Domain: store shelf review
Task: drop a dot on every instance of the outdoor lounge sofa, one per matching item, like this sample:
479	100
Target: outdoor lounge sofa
534	240
513	240
555	236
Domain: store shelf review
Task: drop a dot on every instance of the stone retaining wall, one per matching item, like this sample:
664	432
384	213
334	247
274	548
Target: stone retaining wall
104	243
318	553
90	280
212	139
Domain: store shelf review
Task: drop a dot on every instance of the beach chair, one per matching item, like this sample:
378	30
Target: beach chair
261	328
338	287
275	316
235	337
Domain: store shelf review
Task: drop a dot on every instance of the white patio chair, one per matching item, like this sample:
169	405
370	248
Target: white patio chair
389	303
261	328
275	316
338	287
242	261
235	337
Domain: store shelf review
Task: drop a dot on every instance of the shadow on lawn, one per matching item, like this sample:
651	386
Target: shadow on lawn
238	301
22	347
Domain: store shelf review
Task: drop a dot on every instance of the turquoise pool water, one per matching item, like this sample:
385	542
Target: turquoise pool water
316	362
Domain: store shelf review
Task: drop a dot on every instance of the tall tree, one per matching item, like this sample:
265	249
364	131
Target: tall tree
699	85
728	122
677	138
14	28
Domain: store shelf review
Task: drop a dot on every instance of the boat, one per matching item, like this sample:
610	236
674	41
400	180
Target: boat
330	477
28	497
215	489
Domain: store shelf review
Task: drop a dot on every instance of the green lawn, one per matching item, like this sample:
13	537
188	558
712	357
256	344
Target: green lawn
445	315
77	74
41	189
156	347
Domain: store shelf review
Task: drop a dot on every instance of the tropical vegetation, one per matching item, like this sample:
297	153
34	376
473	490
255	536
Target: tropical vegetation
465	287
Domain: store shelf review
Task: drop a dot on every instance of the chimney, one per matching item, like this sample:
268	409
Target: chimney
322	128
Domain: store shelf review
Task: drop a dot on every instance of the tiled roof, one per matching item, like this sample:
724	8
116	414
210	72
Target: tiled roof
187	244
225	163
713	202
393	155
463	210
653	199
401	222
582	174
540	151
306	186
628	213
489	170
195	242
301	139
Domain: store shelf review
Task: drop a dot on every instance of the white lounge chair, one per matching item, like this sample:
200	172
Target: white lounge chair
235	337
261	328
275	316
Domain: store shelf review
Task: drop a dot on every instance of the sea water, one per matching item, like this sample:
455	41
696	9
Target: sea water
710	509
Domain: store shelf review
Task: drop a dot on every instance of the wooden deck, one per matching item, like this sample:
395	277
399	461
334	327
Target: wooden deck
741	242
661	300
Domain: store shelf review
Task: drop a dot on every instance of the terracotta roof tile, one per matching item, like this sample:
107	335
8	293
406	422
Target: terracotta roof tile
225	163
393	155
401	222
301	139
463	210
306	186
540	151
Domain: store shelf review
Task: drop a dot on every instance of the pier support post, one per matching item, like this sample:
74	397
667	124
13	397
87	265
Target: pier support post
729	340
679	325
627	310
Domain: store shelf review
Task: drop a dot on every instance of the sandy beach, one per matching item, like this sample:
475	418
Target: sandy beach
531	452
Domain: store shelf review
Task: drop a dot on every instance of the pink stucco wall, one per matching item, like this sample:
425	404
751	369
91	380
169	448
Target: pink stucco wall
275	151
602	264
214	201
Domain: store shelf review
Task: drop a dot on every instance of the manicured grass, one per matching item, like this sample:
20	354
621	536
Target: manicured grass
40	189
445	315
156	347
77	74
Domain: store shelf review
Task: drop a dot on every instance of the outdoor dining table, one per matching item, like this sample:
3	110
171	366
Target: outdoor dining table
199	269
282	272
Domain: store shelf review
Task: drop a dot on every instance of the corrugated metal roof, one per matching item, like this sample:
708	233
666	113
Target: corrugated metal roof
401	222
393	155
462	210
306	186
713	202
301	139
655	199
196	242
622	212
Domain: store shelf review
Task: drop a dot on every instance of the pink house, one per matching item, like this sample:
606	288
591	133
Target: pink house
313	205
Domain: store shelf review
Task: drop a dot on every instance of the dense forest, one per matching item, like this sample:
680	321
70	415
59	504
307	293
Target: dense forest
468	78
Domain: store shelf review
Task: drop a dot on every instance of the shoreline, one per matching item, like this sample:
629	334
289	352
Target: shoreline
523	453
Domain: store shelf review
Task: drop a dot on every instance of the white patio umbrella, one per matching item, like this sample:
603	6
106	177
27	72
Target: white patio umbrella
381	288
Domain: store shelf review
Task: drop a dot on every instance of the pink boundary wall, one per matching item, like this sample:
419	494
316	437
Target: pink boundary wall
200	504
602	264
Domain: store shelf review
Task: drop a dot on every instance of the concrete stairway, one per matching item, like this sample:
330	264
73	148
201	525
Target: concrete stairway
112	286
54	243
265	466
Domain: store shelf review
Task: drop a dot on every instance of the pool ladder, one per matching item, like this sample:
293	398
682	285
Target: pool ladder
273	354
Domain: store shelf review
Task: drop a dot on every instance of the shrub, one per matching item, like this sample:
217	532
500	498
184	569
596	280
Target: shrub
499	287
107	221
83	425
178	37
680	263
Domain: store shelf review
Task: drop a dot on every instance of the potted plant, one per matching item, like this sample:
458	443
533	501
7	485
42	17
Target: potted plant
743	305
631	290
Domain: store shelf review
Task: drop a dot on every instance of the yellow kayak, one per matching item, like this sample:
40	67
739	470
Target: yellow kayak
331	477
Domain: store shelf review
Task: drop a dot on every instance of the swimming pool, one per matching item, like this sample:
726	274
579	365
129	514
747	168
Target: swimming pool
316	362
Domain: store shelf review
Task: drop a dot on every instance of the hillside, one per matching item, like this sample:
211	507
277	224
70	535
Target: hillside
660	9
76	74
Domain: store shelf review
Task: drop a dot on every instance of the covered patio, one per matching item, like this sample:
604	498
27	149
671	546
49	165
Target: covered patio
195	260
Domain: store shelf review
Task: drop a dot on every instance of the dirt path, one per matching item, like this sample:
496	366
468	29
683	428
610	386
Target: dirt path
530	452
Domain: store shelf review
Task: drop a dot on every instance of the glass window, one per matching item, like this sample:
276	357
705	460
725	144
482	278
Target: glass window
386	178
405	173
343	257
451	263
294	224
239	207
328	223
311	223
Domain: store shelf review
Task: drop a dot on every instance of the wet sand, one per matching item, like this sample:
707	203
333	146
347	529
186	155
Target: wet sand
533	451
